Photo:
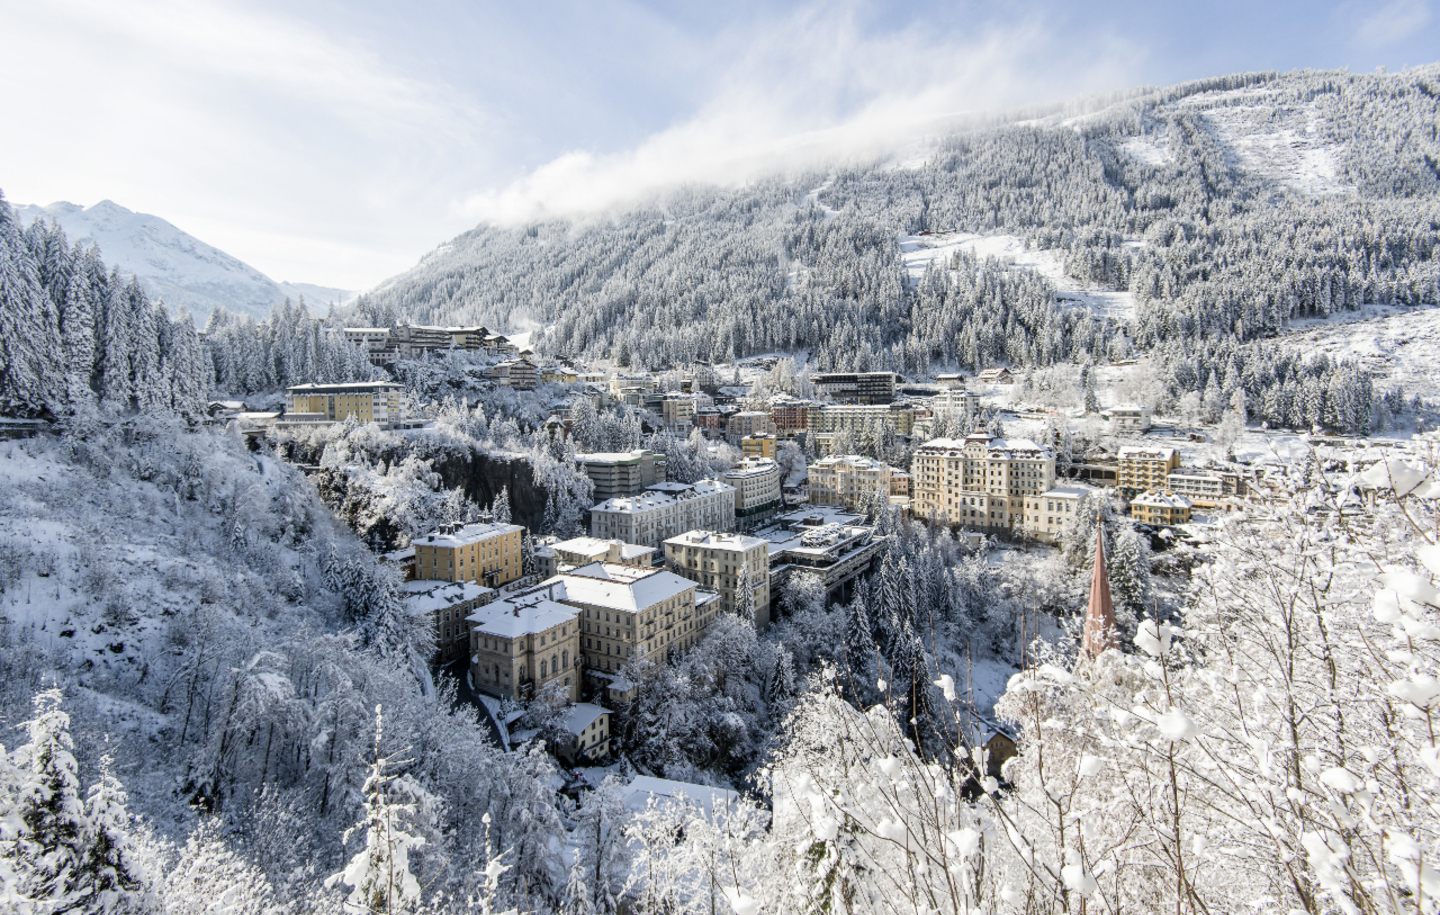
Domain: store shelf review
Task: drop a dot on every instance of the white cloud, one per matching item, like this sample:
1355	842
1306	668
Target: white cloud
239	123
1394	22
816	86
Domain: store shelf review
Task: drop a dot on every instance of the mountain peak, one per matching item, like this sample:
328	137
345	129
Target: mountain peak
172	264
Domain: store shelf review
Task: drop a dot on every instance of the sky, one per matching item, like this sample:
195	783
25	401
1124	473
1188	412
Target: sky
336	142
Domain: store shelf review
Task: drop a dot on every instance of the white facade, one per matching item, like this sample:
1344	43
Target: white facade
652	517
757	487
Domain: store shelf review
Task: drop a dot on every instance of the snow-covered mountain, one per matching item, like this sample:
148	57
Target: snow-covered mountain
174	265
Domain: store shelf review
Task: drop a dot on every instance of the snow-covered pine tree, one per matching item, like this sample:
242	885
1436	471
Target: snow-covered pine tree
379	874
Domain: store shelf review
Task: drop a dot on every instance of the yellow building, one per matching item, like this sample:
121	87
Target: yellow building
758	446
1145	469
1160	508
368	402
589	728
484	553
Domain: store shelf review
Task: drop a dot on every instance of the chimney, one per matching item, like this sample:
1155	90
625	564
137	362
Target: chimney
1100	615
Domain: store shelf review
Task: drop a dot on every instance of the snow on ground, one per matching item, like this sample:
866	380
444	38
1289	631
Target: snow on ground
1149	150
1285	143
1398	345
988	678
918	251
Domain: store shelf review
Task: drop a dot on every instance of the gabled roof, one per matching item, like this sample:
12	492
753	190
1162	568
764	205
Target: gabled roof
617	587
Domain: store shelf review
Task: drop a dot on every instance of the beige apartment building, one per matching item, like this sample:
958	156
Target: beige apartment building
484	553
367	402
846	480
751	422
678	411
520	374
980	482
446	604
524	643
628	613
858	417
1144	469
1047	515
716	561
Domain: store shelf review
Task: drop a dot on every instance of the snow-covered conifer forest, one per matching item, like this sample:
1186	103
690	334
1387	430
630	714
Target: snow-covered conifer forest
214	700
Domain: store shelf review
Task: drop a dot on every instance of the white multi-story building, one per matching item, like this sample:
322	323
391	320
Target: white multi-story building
1131	418
956	400
847	480
757	489
719	562
1047	514
664	511
622	473
1203	488
981	481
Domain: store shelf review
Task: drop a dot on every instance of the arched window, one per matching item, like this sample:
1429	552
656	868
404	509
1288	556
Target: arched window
542	669
565	658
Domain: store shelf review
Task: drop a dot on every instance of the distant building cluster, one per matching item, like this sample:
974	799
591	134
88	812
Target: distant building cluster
385	345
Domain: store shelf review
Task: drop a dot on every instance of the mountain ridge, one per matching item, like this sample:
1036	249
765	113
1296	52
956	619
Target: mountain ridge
174	265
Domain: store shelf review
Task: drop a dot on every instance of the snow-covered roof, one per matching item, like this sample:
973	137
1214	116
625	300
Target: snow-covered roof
581	715
615	457
1068	492
1159	454
860	462
525	614
352	387
717	541
595	547
649	500
433	596
470	533
1165	499
1194	473
644	788
617	587
753	467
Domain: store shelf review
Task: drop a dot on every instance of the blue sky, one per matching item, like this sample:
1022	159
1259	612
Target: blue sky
335	142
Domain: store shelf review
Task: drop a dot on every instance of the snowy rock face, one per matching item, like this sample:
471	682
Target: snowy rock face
175	266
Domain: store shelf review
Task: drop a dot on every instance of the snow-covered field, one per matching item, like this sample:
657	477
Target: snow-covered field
1286	145
1400	346
918	251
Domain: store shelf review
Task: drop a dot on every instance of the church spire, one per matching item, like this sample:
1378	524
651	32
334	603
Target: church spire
1100	615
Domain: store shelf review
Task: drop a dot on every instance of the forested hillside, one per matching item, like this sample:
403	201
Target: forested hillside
1226	206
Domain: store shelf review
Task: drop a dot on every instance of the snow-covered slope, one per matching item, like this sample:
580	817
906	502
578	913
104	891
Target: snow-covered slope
175	266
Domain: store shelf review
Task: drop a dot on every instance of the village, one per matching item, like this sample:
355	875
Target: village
523	616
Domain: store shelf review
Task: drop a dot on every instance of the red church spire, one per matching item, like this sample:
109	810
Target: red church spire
1100	615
